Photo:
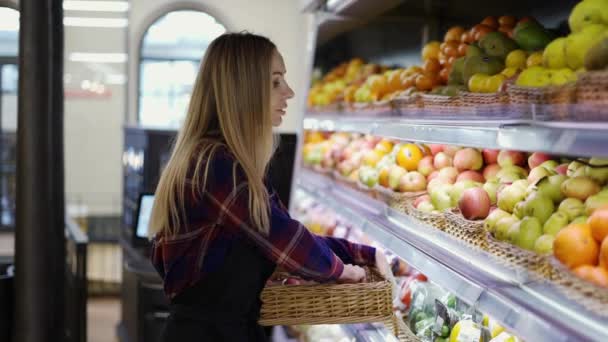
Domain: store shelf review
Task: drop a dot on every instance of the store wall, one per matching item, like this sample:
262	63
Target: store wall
280	20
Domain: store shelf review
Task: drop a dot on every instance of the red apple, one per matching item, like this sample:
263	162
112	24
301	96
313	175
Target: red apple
511	158
412	182
451	150
420	199
448	174
432	176
562	169
490	171
537	158
425	166
474	204
468	159
435	148
471	175
442	160
490	156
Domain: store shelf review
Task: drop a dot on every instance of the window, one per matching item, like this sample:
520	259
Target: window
170	58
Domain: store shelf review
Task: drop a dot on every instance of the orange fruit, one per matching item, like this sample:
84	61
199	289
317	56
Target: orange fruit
377	84
598	221
424	82
394	81
409	156
604	254
431	66
593	274
490	21
431	50
574	246
453	34
507	20
444	75
462	49
505	29
384	146
450	49
408	81
314	137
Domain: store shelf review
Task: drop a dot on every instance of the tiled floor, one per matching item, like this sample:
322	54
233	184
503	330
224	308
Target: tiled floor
103	314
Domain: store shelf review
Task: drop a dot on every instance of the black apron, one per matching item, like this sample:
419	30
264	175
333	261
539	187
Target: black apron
225	306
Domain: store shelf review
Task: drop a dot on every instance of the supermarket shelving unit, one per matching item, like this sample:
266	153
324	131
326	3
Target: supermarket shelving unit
529	307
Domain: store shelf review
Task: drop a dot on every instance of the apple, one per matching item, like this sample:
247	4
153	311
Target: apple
521	183
491	187
501	229
506	158
435	148
449	174
495	215
474	204
471	175
468	159
425	166
394	177
440	197
442	160
551	187
580	187
555	223
539	206
537	158
530	230
537	174
420	199
580	220
544	244
513	232
509	197
433	183
432	176
458	189
412	182
595	201
523	173
597	170
490	171
345	168
451	150
368	176
573	207
562	169
490	156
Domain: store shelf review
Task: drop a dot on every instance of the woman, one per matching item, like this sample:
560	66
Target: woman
218	228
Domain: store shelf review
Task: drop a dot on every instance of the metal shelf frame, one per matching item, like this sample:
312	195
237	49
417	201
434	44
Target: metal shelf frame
531	308
574	139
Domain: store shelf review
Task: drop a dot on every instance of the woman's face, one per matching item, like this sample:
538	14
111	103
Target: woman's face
280	90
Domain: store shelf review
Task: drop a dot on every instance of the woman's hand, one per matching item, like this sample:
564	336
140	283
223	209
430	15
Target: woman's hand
352	274
382	264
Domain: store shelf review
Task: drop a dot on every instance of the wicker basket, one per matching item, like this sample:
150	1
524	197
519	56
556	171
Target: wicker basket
407	105
370	301
430	219
592	88
469	231
484	104
512	256
441	105
391	197
546	103
591	296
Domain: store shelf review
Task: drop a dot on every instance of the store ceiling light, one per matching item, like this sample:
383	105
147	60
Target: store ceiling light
95	22
96	6
98	57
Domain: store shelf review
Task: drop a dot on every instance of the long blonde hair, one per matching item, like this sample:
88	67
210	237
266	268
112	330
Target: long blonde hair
231	96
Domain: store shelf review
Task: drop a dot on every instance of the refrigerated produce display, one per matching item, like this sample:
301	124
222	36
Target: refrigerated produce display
479	157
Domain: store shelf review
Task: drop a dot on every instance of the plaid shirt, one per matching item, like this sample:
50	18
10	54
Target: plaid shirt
221	215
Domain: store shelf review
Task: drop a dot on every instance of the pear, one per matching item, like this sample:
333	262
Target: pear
555	223
575	168
490	222
501	229
594	202
573	207
510	196
491	187
580	220
519	210
539	206
580	187
551	187
513	232
538	173
544	244
530	229
597	170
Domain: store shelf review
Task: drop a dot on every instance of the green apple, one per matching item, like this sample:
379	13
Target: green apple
573	207
555	223
544	244
539	206
581	219
530	229
491	187
490	222
551	187
513	232
580	187
519	210
502	227
510	196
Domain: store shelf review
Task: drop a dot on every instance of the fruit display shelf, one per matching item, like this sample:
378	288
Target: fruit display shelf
576	139
531	307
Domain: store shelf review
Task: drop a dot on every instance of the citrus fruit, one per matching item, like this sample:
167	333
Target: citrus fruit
598	221
594	274
574	246
408	157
